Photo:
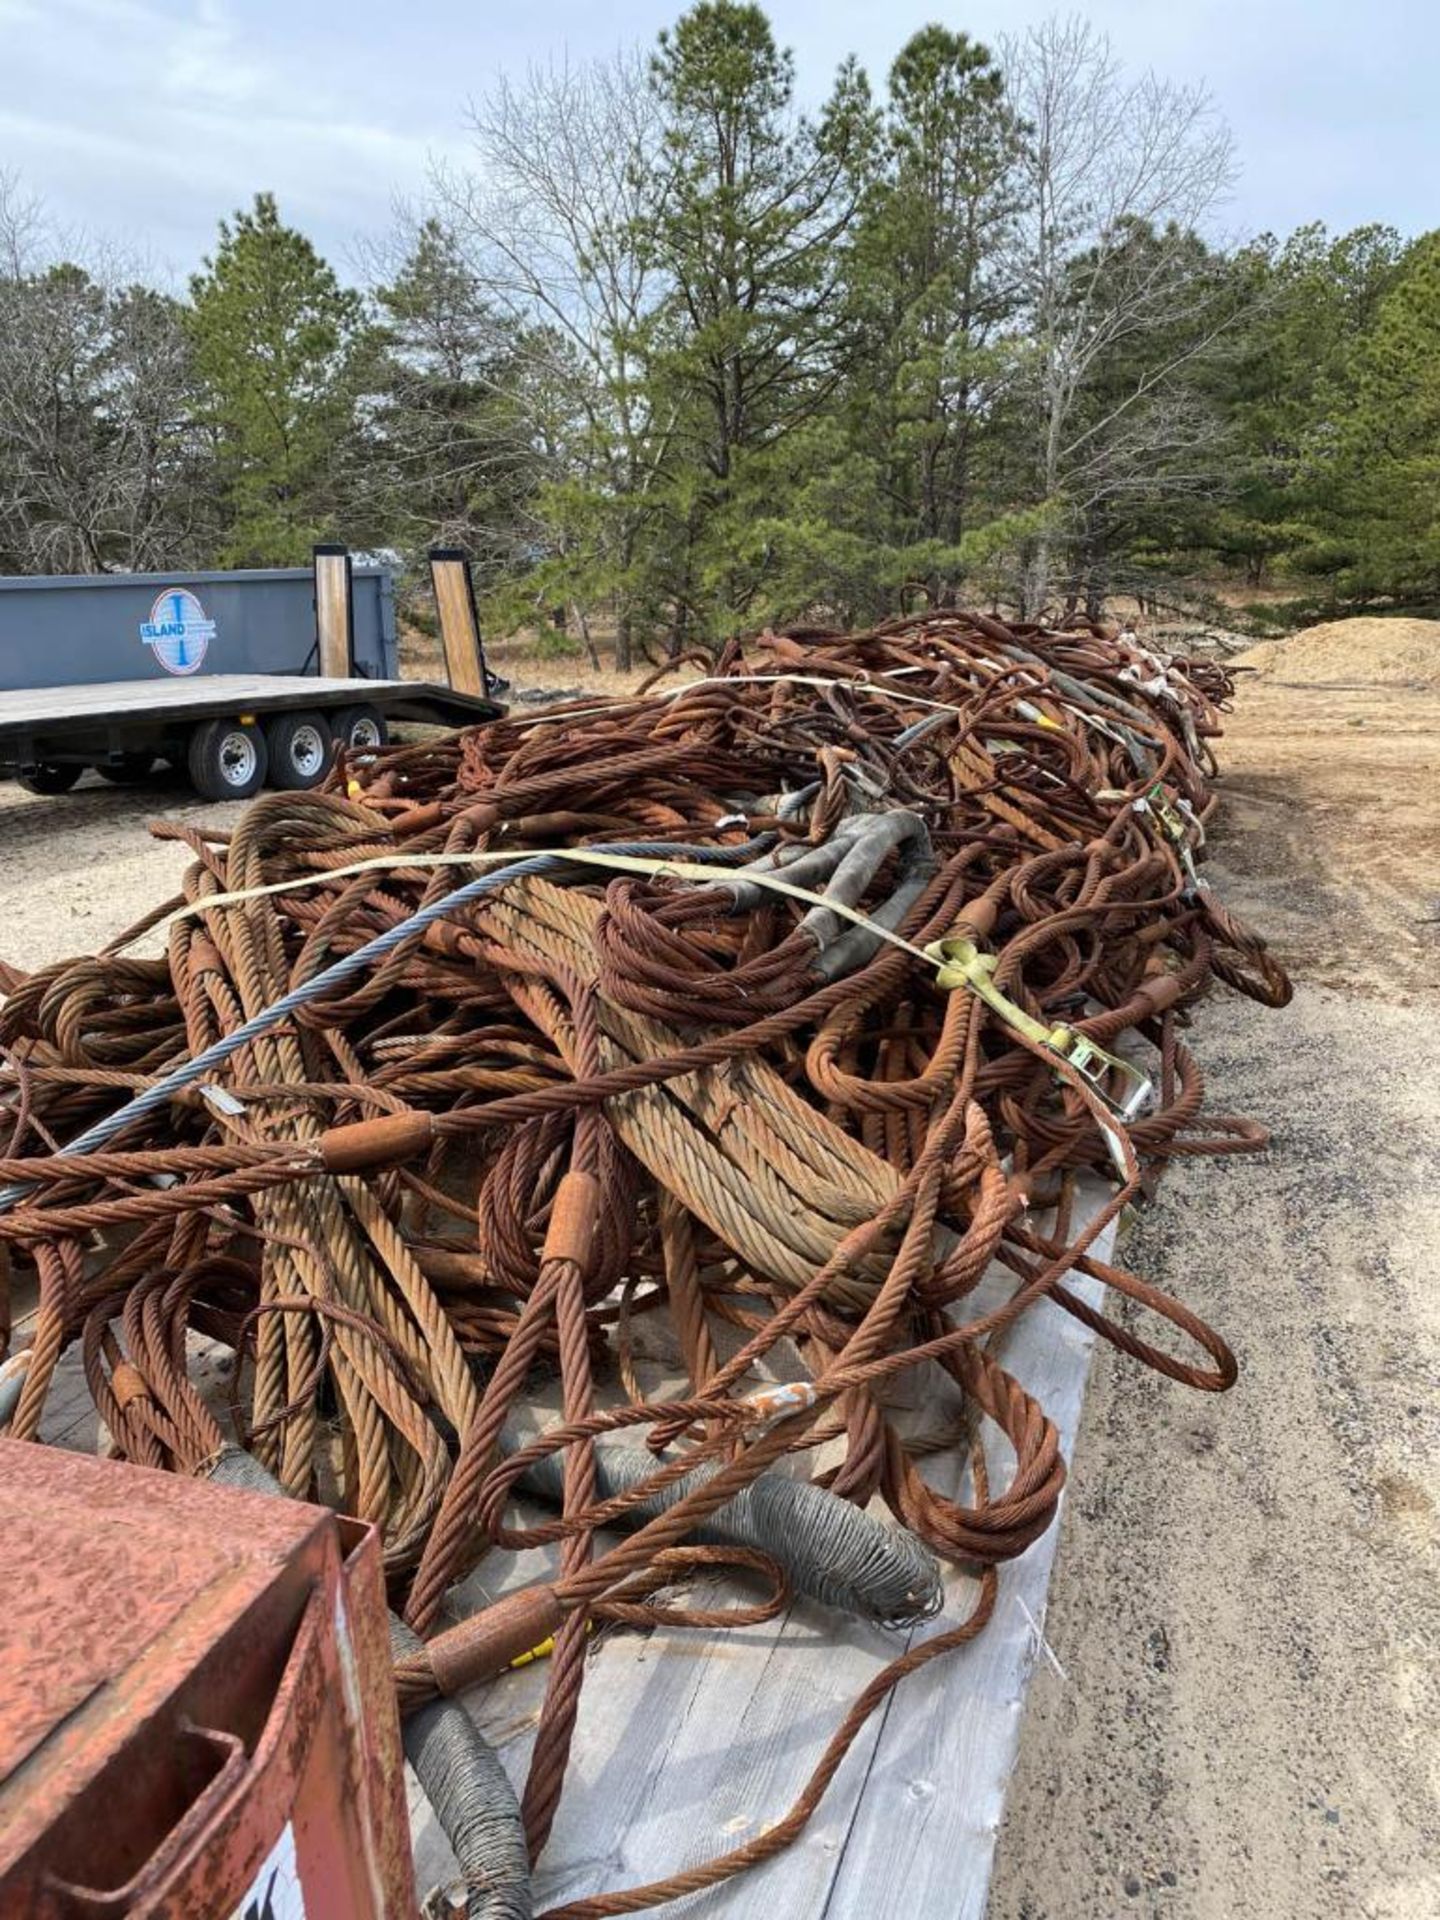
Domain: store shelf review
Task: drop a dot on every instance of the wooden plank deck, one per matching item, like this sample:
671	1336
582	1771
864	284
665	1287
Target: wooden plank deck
56	715
689	1743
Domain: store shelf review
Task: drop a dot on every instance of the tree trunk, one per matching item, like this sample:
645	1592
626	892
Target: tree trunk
1035	578
584	625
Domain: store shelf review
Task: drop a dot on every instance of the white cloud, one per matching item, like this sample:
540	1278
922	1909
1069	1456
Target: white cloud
149	120
160	120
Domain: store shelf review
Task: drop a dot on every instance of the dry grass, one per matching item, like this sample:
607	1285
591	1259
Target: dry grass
531	662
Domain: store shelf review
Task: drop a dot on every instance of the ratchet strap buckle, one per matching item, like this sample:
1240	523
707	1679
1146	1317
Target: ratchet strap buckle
960	963
1173	825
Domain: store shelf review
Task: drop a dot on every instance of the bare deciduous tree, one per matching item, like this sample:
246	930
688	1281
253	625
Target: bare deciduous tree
552	227
1107	161
22	226
100	459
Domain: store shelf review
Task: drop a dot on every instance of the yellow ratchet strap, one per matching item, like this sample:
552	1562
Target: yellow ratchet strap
1028	710
1158	802
960	963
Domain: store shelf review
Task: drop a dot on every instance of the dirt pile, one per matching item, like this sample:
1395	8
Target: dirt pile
1370	651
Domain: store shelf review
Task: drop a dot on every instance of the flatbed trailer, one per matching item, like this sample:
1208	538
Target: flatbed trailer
48	734
234	731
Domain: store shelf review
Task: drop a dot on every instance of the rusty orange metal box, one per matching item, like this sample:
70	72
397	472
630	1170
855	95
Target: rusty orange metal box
196	1712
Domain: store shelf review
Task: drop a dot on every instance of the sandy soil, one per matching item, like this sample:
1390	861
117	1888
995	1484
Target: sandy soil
1246	1603
77	869
1374	649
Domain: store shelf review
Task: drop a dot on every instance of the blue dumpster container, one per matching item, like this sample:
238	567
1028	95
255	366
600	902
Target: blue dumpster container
67	630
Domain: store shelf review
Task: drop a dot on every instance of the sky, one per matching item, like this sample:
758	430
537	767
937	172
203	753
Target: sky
140	123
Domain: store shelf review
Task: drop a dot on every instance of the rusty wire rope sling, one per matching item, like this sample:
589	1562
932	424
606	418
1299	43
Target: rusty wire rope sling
649	1105
193	1070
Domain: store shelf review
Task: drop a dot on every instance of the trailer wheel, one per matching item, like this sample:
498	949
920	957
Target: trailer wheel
228	759
300	750
358	728
129	771
51	777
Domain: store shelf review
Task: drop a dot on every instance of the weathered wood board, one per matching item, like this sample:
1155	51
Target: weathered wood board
38	706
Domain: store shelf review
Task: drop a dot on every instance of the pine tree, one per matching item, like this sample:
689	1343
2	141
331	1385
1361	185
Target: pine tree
1379	452
278	347
449	459
753	204
935	298
1312	300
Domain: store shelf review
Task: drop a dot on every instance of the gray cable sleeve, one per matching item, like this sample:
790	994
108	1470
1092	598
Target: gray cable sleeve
832	1551
472	1798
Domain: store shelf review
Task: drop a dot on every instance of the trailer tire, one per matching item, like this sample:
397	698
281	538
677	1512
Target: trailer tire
228	759
357	729
129	771
301	750
51	777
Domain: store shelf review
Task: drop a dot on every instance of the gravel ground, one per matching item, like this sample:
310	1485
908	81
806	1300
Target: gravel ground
77	869
1245	1601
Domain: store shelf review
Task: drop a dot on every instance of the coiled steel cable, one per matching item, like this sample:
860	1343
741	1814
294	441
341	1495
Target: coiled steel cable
409	1149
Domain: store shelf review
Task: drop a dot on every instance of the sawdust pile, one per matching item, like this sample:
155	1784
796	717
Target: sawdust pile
1370	651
